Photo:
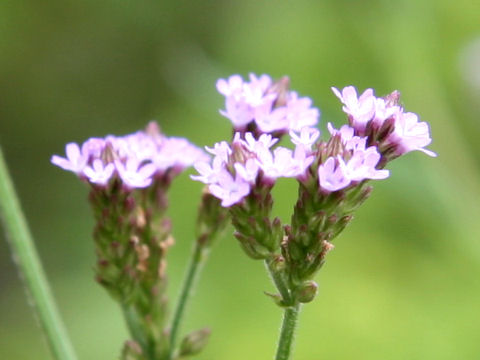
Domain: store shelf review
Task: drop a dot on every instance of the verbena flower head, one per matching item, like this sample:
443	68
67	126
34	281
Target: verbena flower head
383	120
135	159
353	163
235	169
263	106
129	177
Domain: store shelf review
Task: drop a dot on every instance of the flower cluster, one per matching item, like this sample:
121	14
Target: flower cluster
248	162
383	120
136	159
379	131
130	176
332	174
263	106
235	169
355	163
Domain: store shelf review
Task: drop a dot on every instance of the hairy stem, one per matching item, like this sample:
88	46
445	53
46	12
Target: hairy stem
285	342
30	268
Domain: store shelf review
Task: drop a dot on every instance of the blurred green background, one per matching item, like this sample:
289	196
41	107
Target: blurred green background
403	281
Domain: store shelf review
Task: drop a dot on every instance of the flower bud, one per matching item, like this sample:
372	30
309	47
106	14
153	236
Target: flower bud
341	224
251	247
194	342
278	263
393	98
307	291
280	88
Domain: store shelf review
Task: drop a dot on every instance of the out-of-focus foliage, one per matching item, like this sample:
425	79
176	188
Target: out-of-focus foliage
402	282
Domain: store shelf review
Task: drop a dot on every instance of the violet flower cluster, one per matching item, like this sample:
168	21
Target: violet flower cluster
264	106
384	121
332	174
378	128
135	159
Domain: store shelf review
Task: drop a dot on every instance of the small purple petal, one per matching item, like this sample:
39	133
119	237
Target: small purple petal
333	174
231	191
75	160
134	175
410	134
361	109
99	173
306	138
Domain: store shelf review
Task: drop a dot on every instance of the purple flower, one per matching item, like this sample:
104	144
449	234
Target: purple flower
241	98
135	175
233	85
270	120
76	160
347	135
93	147
228	189
268	105
306	138
232	172
139	145
361	109
238	111
304	159
99	173
300	112
410	135
208	173
177	154
356	163
336	173
362	165
221	151
283	162
333	174
265	141
247	171
256	92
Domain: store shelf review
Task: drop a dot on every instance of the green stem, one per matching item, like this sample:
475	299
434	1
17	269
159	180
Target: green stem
279	281
31	270
136	330
199	254
287	333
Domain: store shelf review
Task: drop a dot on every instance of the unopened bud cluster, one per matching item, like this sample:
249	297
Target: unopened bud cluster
332	175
